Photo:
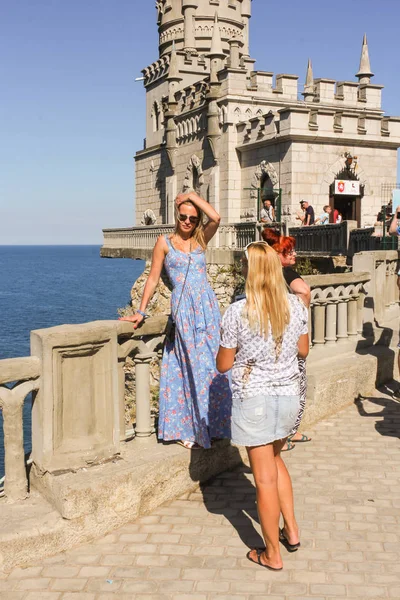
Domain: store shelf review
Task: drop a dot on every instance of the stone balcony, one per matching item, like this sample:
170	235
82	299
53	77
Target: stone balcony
93	470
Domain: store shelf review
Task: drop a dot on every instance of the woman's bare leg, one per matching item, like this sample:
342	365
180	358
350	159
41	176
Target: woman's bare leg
264	467
285	492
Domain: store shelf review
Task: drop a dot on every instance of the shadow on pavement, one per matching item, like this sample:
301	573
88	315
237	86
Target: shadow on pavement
389	415
233	495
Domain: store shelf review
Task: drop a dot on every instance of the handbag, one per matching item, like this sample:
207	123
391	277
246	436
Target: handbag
170	329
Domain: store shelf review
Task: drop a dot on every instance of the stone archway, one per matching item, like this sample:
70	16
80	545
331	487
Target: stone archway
194	177
336	167
264	168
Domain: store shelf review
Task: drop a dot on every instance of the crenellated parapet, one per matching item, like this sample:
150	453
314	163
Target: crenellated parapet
255	125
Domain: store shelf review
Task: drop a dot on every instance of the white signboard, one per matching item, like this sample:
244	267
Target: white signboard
344	187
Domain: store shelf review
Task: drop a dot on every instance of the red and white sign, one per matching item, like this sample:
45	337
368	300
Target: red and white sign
345	187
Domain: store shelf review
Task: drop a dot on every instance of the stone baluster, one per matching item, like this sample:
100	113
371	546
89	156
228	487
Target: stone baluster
387	290
331	322
352	316
394	288
310	329
11	404
342	331
319	324
143	407
121	391
360	311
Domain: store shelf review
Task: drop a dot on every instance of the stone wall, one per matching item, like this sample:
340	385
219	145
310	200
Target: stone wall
315	165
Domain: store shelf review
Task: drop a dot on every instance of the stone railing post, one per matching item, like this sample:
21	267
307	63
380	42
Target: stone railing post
11	404
143	399
319	324
352	317
342	327
76	413
360	311
331	321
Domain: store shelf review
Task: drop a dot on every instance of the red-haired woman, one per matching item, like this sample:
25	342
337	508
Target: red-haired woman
285	247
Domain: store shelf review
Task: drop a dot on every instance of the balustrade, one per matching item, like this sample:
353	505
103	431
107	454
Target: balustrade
337	306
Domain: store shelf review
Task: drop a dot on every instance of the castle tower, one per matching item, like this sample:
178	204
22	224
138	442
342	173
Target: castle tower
189	23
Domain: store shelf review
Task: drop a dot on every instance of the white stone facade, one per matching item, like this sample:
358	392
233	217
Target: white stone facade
215	124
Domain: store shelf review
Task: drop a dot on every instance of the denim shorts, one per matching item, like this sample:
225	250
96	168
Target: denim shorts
263	419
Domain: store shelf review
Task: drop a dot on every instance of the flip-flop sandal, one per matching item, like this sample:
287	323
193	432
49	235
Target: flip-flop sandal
259	552
304	438
289	547
290	446
189	445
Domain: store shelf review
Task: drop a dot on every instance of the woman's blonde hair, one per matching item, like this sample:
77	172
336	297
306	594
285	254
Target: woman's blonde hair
267	303
198	231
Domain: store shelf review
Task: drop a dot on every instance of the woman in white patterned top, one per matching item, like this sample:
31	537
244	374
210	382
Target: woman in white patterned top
262	337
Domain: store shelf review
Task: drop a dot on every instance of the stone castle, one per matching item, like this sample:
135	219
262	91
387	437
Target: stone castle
238	136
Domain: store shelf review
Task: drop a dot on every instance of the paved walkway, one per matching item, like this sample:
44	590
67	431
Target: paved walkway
347	487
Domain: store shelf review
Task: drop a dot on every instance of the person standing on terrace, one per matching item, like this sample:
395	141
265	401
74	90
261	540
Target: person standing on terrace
195	400
262	336
309	216
285	247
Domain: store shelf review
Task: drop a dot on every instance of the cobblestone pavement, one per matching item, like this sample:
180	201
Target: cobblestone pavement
347	490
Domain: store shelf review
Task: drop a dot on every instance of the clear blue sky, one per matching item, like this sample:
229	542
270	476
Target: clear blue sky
72	117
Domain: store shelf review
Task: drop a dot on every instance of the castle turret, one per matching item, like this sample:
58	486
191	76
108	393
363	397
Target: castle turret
173	78
364	72
189	9
190	24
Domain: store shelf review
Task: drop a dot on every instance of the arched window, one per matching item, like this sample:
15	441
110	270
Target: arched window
266	189
155	115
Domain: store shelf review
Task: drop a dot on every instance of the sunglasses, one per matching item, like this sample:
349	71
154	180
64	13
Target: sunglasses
183	218
252	244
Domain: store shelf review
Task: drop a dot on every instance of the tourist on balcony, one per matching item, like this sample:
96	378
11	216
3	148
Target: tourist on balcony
323	218
267	214
262	337
285	247
309	216
195	400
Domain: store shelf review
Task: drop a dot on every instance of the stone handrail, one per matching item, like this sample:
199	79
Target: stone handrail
135	237
234	236
22	376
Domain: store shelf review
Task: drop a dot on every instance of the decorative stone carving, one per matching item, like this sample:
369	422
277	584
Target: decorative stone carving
264	168
194	164
149	218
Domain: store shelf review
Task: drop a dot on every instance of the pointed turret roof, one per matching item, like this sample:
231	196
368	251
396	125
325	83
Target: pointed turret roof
309	77
173	72
309	84
216	42
364	73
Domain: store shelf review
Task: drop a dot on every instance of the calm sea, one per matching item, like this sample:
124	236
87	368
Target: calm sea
42	286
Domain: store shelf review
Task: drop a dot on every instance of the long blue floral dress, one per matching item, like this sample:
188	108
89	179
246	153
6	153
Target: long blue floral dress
195	400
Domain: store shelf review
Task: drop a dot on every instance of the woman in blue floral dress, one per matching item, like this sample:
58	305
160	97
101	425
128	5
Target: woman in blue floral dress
195	401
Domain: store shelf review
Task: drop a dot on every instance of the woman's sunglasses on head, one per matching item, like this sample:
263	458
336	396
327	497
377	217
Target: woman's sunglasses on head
183	218
253	244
